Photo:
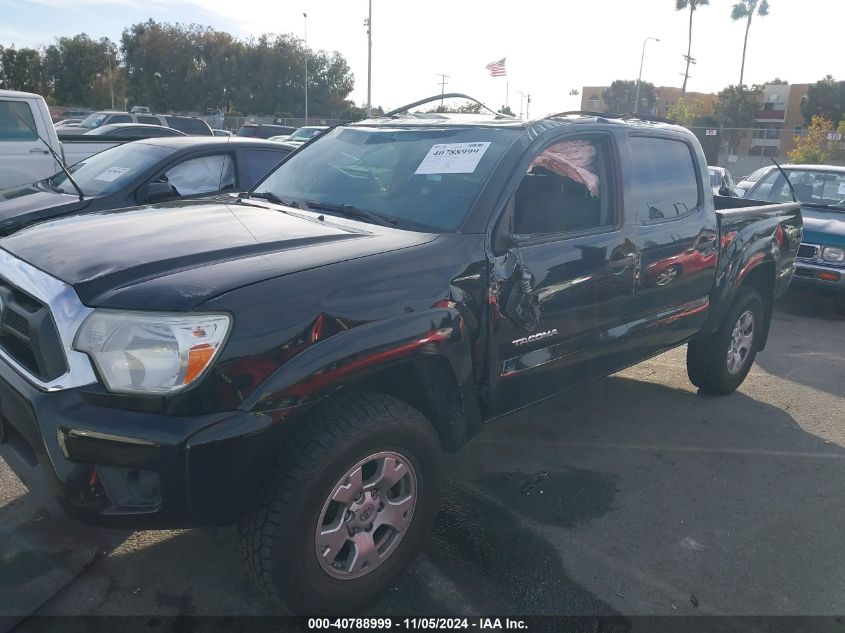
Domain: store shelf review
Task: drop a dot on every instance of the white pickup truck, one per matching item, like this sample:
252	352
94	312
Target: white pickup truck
24	118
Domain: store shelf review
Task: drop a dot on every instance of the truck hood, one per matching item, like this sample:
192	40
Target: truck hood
178	255
27	204
824	227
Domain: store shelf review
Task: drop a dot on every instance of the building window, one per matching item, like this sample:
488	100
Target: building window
594	102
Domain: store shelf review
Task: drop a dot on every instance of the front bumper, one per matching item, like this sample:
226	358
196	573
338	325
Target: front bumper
818	276
122	468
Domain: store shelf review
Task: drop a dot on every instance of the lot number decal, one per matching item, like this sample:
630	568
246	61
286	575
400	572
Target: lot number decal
452	158
112	174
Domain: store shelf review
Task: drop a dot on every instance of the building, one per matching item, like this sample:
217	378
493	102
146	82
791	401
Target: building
667	96
777	121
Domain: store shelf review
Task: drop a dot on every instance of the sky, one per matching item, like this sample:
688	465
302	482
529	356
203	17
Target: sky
551	48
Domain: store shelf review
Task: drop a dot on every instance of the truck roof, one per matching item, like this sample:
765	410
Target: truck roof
424	120
19	94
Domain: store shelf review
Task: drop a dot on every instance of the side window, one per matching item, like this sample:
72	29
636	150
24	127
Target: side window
260	162
194	127
665	184
11	127
566	189
120	118
203	175
150	120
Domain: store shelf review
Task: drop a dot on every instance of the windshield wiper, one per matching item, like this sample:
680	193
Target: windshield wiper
271	197
353	212
58	158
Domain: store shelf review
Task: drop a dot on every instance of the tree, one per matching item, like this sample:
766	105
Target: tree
826	99
745	9
21	69
813	147
735	112
620	96
680	5
77	71
506	110
684	111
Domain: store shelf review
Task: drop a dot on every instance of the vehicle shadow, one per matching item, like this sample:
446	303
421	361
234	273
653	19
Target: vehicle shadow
807	343
621	464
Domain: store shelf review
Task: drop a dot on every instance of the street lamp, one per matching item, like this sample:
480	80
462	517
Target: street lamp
111	85
305	19
369	24
640	78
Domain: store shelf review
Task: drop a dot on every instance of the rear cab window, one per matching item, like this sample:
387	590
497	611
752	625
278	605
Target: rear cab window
259	162
664	179
195	127
12	128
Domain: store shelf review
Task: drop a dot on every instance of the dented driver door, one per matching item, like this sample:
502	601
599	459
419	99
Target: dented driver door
557	296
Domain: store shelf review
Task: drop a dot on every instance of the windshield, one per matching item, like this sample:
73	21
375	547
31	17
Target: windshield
93	120
815	187
425	179
715	178
305	133
109	170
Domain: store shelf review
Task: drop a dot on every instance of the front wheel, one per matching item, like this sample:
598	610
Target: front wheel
347	508
718	364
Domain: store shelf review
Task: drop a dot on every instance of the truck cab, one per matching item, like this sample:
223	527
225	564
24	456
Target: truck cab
295	359
23	157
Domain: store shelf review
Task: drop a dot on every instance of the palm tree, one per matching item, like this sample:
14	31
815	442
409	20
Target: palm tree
680	5
746	9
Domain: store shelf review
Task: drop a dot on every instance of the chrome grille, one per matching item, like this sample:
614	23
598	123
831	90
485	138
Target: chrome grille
39	318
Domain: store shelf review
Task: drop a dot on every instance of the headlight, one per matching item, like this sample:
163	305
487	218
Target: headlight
151	353
832	254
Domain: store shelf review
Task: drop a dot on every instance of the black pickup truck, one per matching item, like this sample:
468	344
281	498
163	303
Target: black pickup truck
294	359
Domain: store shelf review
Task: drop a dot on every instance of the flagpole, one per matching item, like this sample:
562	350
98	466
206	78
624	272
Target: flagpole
507	92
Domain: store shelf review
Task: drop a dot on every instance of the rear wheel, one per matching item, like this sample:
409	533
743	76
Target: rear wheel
347	508
718	364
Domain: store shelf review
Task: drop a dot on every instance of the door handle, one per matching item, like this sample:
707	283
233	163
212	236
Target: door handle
619	264
35	150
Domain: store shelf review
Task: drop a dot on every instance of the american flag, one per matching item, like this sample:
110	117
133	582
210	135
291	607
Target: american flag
497	69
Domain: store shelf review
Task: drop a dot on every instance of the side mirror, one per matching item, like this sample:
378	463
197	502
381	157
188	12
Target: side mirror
154	192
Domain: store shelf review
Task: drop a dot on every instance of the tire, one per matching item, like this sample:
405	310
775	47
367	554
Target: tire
708	366
279	538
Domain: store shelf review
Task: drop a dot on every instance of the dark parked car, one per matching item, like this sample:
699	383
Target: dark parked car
140	172
296	359
263	130
134	131
189	125
821	191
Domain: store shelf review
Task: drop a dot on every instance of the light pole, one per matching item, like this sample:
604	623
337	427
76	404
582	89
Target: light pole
111	85
369	24
305	18
640	78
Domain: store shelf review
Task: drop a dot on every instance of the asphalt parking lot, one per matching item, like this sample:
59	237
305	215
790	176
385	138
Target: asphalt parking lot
634	495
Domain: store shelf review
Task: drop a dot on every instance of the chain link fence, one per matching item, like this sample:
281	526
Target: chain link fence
744	150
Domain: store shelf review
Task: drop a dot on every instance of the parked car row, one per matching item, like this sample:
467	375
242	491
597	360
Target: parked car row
187	125
31	146
820	189
294	356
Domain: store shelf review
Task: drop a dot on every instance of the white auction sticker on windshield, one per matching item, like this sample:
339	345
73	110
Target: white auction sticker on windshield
112	174
452	158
